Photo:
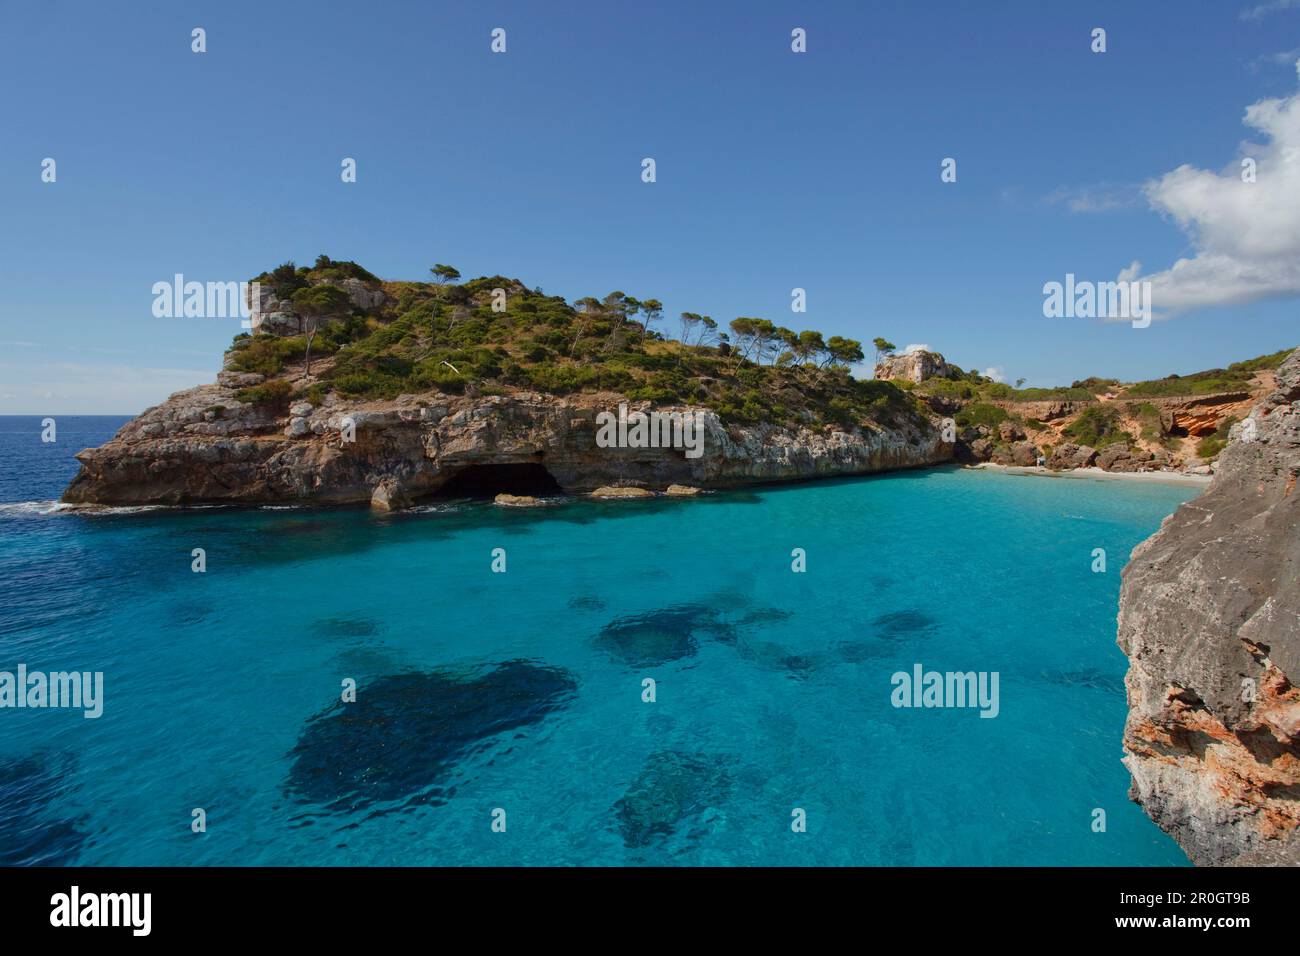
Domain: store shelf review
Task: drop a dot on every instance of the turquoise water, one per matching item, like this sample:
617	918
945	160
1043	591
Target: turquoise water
523	690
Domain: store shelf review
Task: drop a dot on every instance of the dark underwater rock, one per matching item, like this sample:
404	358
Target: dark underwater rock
671	789
347	627
406	733
647	640
30	835
899	625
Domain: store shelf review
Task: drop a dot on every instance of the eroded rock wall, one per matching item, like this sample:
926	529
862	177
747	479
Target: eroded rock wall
204	445
1210	620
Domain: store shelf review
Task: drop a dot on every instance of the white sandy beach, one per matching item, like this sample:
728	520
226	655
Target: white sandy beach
1165	477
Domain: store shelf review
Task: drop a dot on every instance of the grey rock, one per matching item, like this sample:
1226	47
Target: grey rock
361	295
981	449
239	379
1210	620
914	366
1069	455
1024	453
160	457
389	496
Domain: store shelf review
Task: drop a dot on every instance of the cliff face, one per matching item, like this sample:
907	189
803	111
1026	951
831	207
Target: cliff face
203	445
1210	620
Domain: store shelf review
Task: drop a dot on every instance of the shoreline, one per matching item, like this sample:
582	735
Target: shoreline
49	507
1159	477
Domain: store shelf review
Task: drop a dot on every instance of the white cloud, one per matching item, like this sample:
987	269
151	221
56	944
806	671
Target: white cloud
996	372
908	349
1246	236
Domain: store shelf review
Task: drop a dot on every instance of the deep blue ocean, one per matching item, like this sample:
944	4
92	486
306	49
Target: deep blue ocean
522	691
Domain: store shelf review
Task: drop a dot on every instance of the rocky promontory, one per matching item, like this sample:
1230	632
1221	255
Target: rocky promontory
204	445
1210	620
354	390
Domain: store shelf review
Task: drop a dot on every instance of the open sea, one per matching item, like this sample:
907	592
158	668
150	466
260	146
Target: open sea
517	698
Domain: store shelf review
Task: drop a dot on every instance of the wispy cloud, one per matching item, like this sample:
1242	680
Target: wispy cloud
1285	58
1259	11
75	388
1096	198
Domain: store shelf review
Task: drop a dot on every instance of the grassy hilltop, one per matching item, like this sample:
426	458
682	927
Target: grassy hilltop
453	336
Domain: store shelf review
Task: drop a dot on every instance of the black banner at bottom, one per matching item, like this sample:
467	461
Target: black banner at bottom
230	904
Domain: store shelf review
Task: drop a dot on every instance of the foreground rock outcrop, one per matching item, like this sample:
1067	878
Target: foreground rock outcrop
1210	620
204	445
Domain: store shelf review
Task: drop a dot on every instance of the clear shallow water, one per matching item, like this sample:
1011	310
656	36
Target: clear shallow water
523	690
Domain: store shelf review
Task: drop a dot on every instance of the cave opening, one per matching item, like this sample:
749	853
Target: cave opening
488	481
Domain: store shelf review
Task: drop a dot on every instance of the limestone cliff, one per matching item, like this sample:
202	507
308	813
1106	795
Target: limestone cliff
1210	620
918	365
204	445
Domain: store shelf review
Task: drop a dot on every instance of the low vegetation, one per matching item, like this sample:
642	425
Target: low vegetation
1235	378
493	333
273	395
979	413
1210	446
972	386
1097	426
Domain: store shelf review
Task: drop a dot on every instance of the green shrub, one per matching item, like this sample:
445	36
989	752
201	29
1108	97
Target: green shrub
1095	385
1176	385
439	376
370	385
1210	446
272	395
1051	395
979	413
266	354
945	388
1097	426
315	394
1271	361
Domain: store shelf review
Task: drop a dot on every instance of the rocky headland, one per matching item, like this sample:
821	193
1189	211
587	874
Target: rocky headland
1210	620
185	451
353	390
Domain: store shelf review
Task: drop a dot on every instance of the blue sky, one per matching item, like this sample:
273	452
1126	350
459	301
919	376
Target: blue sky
775	170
